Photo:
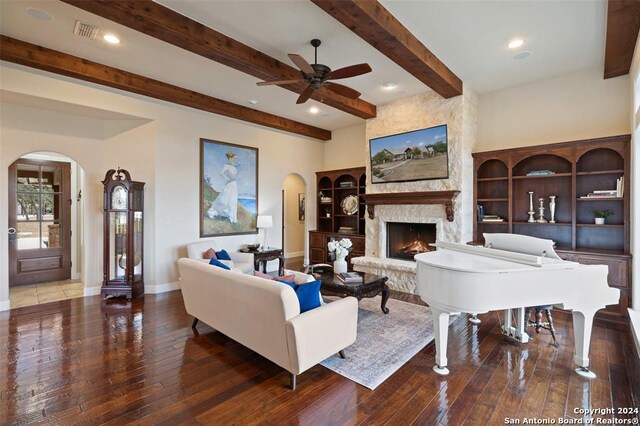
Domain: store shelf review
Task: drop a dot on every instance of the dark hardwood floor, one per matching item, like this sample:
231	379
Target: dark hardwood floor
81	362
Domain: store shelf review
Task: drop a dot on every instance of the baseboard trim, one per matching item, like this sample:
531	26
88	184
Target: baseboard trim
5	305
161	288
91	291
294	254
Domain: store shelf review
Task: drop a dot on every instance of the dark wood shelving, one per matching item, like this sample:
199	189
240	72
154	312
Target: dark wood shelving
543	176
543	224
327	227
493	179
600	172
581	167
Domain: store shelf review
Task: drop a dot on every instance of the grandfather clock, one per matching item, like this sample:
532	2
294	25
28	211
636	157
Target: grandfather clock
123	235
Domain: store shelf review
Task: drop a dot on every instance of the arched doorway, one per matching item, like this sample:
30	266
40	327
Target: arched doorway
44	218
294	215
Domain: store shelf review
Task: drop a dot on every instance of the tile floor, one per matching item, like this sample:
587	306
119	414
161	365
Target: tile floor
27	295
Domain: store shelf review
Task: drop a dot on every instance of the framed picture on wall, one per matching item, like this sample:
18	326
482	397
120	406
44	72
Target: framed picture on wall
228	189
302	200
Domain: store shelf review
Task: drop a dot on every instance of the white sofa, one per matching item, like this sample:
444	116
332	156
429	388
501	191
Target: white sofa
264	315
240	261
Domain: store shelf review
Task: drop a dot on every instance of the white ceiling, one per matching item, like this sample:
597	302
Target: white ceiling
469	36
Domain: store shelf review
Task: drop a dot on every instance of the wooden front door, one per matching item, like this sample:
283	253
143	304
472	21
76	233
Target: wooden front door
39	221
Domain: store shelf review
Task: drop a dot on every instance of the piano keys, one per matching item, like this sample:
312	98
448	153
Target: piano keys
510	273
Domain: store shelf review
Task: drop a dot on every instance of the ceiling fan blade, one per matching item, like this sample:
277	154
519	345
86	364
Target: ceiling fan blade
302	64
343	90
304	96
350	71
269	83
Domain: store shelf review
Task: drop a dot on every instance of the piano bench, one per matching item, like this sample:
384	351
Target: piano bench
538	324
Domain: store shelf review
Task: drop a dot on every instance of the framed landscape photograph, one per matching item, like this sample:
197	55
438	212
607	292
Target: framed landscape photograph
228	189
416	155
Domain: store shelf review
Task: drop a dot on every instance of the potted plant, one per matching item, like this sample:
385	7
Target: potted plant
601	215
340	249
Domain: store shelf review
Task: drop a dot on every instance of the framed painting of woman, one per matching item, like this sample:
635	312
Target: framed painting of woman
228	189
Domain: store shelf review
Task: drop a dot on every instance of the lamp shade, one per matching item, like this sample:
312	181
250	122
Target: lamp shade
264	221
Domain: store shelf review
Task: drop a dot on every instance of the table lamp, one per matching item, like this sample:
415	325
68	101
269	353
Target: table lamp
264	222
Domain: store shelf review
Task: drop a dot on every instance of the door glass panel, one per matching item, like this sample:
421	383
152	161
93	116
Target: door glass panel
51	179
51	207
28	235
28	178
27	208
51	234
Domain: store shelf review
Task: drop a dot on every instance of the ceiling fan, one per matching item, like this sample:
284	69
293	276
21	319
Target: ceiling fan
318	75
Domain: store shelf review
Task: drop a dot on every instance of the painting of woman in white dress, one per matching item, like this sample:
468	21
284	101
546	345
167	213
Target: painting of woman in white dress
229	189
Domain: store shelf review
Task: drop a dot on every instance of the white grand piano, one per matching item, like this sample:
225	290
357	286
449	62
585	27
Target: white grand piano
510	273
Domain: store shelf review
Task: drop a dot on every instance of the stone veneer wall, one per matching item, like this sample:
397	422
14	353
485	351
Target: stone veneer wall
414	113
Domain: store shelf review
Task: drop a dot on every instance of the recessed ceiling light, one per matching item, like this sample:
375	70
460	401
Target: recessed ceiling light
390	85
39	14
515	43
110	38
253	102
314	110
521	55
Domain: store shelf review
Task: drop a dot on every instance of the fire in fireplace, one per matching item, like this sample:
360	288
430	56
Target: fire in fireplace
405	240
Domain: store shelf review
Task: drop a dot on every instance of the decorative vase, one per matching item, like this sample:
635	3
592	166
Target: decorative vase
599	220
340	265
552	208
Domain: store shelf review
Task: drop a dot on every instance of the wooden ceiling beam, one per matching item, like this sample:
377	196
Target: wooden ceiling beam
378	27
623	24
34	56
162	23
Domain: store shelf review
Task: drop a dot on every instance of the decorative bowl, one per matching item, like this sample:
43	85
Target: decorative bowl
253	246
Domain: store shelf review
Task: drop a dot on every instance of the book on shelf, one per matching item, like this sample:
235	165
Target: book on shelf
620	186
350	277
346	184
541	172
492	218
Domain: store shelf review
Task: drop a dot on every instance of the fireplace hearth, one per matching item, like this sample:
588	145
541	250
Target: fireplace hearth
405	240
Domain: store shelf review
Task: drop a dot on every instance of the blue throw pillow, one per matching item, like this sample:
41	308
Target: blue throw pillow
219	264
309	295
294	286
223	255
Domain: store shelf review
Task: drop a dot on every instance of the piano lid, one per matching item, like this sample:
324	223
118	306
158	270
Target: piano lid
464	258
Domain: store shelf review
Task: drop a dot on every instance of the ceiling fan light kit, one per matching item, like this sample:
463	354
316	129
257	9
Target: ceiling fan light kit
318	76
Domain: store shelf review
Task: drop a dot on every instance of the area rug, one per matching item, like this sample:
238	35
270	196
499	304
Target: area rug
385	342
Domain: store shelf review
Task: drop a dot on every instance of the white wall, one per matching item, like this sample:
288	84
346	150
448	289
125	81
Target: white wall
164	153
576	106
294	231
634	103
346	148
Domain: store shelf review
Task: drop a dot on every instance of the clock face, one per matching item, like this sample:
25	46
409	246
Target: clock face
119	198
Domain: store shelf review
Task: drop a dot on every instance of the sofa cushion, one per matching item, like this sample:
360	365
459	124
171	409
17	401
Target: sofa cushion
293	285
223	255
216	262
209	254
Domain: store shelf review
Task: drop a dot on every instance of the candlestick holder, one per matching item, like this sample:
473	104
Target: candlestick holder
531	212
541	218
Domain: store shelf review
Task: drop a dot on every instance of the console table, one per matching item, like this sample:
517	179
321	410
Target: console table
265	254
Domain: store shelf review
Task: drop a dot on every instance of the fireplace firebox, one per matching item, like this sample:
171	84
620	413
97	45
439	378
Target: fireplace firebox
405	240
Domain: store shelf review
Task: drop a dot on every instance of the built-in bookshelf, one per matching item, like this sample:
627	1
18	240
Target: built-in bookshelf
341	212
574	172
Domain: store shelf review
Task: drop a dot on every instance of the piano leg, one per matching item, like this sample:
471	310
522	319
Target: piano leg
582	324
441	329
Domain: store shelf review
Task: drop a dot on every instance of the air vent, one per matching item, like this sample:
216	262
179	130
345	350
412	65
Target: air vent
85	30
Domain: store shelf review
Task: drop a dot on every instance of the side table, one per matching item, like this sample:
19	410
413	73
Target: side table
265	254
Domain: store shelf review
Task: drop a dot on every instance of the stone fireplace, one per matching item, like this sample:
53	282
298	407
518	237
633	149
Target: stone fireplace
405	240
443	205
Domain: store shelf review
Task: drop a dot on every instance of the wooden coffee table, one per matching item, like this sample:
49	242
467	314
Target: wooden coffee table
371	286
